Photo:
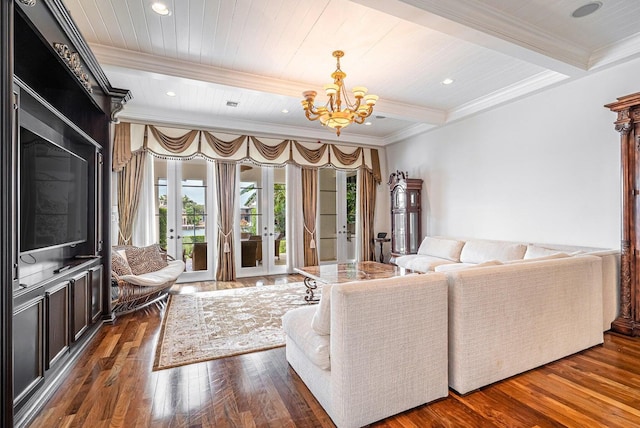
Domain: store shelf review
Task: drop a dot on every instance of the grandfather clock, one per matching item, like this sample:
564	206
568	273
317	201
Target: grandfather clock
628	125
405	214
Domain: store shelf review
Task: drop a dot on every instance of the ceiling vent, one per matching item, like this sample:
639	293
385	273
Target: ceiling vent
232	104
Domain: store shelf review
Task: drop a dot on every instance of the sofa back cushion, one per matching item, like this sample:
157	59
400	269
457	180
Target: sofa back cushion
481	251
321	322
441	247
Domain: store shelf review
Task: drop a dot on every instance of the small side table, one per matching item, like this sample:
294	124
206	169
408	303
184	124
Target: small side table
381	241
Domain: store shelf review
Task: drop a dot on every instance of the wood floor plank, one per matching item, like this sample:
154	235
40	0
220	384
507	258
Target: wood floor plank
113	385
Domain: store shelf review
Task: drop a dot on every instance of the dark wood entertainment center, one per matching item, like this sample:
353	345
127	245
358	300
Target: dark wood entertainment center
56	294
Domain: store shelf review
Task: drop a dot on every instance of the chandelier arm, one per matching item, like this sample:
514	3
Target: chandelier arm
316	116
366	113
359	119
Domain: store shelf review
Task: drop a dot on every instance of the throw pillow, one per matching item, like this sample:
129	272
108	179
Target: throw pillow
478	251
321	321
145	259
119	265
440	247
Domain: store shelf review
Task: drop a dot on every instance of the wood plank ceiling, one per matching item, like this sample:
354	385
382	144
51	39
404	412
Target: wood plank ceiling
264	53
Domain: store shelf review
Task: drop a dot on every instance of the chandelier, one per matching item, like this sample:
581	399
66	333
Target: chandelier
339	111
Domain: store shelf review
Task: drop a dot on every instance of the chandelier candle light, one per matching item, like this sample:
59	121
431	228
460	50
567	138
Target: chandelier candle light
333	114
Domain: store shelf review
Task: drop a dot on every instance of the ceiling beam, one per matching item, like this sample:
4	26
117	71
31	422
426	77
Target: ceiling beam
205	73
479	24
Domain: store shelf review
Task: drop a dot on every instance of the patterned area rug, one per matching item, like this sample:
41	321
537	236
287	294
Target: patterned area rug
216	324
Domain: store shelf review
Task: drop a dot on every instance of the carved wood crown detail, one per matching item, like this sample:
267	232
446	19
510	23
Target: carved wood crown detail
72	59
29	3
623	128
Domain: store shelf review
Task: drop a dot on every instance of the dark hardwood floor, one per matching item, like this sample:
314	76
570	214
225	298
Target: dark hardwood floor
112	385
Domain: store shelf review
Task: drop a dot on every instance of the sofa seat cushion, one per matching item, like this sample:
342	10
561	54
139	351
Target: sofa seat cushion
535	251
478	251
459	266
538	259
152	279
441	247
420	263
296	324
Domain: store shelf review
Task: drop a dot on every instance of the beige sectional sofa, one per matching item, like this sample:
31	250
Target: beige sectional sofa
444	254
507	319
511	307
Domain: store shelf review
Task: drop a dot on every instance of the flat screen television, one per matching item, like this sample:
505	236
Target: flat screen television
53	194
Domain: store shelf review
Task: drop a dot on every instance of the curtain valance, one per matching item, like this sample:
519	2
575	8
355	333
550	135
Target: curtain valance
176	143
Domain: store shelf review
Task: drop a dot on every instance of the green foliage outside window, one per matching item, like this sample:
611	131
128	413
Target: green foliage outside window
351	202
162	216
279	208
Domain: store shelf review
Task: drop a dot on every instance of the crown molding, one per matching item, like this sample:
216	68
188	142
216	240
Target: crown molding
408	132
618	52
509	93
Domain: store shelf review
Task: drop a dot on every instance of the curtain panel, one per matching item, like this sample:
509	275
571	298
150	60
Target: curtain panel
367	202
309	209
226	179
129	189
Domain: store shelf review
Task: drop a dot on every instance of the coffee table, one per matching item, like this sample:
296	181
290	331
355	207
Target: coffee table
338	273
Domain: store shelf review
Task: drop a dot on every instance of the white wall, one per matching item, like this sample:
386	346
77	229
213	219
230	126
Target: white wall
541	169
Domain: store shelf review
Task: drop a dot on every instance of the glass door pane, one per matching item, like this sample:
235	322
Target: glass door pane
182	214
250	217
327	216
262	219
337	216
279	213
193	189
351	236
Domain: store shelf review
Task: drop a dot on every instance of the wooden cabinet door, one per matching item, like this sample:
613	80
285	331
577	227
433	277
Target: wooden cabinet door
28	367
80	294
57	330
96	293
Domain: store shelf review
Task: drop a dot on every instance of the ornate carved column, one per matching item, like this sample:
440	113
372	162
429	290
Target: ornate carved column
628	125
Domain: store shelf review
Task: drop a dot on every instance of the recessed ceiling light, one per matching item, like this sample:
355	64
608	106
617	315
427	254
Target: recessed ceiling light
586	9
161	9
232	104
367	123
171	94
447	81
285	111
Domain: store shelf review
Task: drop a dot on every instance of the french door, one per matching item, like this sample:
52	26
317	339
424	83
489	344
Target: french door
183	221
261	217
338	237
